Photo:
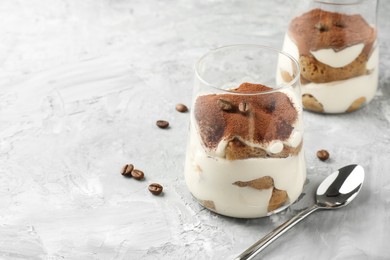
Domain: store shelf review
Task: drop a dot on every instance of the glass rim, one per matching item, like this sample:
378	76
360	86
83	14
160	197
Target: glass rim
332	2
257	46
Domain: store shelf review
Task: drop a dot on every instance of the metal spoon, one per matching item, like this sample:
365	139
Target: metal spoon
336	191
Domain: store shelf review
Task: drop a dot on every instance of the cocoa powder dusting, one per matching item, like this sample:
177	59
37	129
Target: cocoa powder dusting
210	120
320	29
271	116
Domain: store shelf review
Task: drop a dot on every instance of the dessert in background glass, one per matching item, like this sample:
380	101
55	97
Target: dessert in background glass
244	156
335	42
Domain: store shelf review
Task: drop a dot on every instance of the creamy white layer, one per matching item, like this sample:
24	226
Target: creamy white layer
337	96
338	59
291	48
335	59
212	178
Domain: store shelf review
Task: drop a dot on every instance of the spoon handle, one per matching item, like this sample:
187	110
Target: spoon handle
276	233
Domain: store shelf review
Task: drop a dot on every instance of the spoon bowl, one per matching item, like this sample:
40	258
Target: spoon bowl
336	191
340	188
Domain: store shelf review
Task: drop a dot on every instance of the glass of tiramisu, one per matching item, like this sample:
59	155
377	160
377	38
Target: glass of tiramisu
335	42
244	157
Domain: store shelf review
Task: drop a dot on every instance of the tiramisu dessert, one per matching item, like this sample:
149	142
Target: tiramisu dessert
245	156
338	56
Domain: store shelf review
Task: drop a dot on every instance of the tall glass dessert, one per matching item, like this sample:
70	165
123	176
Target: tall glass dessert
245	156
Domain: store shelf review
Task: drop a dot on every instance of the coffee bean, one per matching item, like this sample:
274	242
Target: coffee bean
126	170
321	27
137	174
181	108
224	104
323	155
243	107
162	123
155	188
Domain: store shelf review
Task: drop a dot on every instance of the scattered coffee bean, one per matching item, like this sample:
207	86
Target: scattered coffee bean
155	188
321	27
181	108
126	170
243	107
137	174
323	155
224	104
162	123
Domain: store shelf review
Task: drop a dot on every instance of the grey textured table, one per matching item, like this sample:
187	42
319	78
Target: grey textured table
81	86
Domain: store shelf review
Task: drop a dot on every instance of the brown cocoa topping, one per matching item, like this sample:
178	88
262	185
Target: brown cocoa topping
320	29
340	24
273	114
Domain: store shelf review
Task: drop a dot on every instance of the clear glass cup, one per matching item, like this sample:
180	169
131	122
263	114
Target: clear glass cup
335	42
244	156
